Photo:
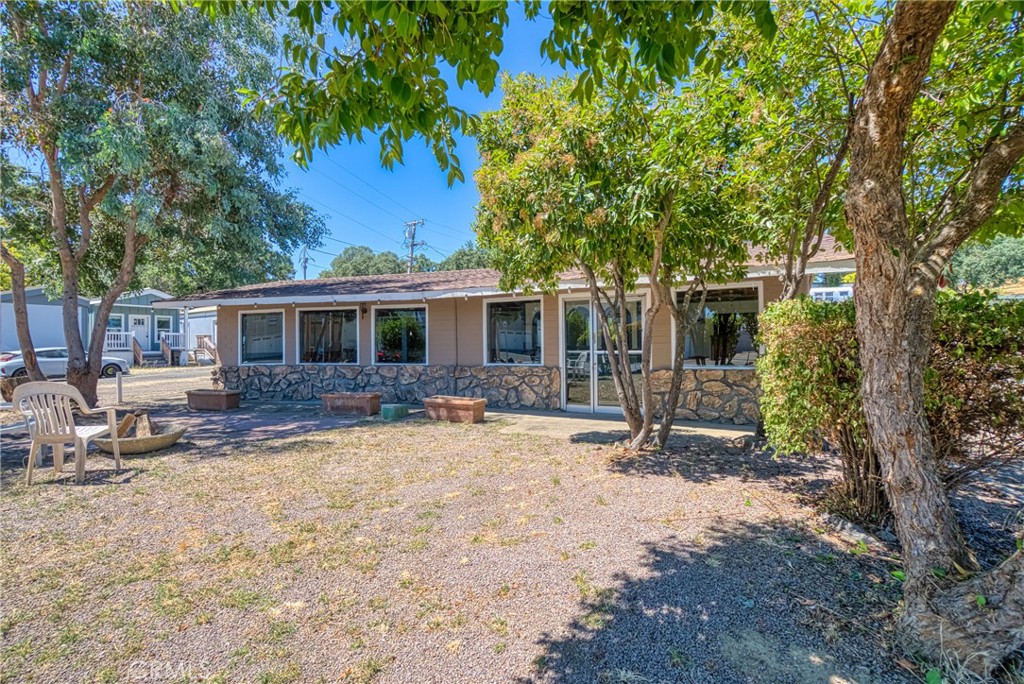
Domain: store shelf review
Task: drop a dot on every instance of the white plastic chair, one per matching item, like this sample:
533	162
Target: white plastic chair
48	406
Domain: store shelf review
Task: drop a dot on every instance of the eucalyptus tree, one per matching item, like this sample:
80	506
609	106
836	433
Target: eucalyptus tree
623	188
385	67
133	113
935	159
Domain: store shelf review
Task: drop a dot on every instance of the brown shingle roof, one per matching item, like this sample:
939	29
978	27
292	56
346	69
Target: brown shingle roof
415	284
391	283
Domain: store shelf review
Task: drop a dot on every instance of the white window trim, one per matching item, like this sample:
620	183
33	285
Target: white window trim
486	328
759	284
298	335
396	307
118	315
284	341
169	319
595	408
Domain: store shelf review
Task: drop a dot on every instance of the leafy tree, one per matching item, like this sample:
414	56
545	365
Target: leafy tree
469	256
22	213
990	264
797	133
942	98
622	188
132	110
374	66
357	261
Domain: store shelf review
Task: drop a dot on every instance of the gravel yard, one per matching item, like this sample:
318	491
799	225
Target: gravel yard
424	552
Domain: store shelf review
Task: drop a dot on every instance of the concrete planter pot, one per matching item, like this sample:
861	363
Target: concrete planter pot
213	399
352	403
455	409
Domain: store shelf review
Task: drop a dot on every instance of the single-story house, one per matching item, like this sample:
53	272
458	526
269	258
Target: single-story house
411	336
133	313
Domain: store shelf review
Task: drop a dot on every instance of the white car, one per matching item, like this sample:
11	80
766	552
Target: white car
53	362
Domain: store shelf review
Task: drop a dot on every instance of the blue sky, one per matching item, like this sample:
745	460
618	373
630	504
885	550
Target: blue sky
365	204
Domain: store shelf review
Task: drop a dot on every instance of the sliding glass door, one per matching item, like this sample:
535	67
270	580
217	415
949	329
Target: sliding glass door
588	382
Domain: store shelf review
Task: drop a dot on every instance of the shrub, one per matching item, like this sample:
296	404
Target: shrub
974	388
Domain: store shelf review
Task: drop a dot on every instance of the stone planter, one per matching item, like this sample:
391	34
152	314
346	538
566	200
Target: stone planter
455	409
352	403
213	399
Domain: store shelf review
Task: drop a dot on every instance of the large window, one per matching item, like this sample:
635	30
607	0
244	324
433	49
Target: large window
513	332
262	339
724	332
115	322
400	335
328	336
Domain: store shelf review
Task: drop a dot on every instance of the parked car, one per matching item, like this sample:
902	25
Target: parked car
53	362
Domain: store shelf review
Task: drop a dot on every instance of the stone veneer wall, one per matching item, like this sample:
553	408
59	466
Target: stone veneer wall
721	395
718	395
502	386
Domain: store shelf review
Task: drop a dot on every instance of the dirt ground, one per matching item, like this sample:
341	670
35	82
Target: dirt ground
277	544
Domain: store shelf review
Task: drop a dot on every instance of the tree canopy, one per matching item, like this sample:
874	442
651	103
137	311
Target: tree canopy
361	260
990	264
148	151
386	68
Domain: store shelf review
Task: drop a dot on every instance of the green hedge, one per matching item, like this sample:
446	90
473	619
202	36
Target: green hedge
974	384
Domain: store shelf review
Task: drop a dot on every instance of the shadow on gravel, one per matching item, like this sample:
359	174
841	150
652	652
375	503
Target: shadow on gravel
702	458
752	603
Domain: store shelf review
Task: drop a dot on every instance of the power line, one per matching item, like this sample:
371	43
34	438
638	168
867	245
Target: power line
379	192
387	197
350	218
360	196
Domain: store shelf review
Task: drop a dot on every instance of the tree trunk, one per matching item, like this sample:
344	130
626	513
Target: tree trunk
683	322
28	349
895	300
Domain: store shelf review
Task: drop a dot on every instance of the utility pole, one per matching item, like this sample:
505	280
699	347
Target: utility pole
304	258
410	240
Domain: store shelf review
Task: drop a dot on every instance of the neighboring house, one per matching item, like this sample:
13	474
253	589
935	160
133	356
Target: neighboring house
832	294
410	336
45	319
132	319
133	312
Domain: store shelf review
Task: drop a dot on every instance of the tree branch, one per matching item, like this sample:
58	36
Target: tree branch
86	204
985	183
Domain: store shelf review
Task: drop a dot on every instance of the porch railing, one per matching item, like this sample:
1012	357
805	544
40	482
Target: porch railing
174	340
118	341
205	345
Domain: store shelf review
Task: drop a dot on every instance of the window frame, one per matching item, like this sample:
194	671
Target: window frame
170	323
298	335
486	329
118	316
759	284
393	307
284	342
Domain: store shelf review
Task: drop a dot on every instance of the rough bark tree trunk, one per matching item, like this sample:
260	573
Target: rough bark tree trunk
20	304
897	272
683	322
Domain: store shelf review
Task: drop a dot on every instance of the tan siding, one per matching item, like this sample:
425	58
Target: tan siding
441	332
772	289
551	318
661	340
227	335
470	331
